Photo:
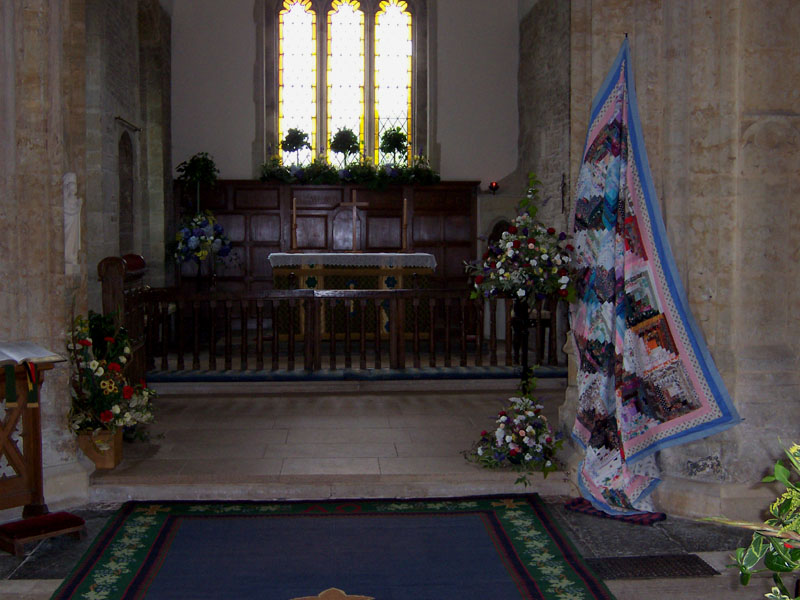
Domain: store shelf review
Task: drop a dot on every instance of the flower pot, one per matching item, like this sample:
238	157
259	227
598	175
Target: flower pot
104	449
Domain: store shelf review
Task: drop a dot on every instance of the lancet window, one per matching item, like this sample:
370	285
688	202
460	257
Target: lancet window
347	64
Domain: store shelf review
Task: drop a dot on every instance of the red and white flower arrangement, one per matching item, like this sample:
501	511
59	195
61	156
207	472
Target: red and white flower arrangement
102	397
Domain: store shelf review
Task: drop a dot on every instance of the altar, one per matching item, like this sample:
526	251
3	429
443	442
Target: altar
351	270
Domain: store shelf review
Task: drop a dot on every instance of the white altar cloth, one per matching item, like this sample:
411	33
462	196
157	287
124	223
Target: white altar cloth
390	260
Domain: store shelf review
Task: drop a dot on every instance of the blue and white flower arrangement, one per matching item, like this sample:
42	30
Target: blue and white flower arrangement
200	238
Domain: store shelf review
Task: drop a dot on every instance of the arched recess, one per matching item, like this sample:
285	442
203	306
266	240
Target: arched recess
126	188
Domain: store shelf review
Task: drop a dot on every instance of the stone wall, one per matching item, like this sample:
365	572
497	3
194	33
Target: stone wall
544	109
128	85
717	85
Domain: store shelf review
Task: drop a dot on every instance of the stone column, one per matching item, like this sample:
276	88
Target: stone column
42	71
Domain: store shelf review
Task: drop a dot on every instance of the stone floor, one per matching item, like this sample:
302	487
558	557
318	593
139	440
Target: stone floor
357	440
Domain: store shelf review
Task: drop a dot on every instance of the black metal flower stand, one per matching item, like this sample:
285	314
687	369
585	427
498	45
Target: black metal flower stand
520	324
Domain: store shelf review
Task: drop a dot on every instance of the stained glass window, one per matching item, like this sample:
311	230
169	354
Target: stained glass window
392	71
350	69
297	88
345	85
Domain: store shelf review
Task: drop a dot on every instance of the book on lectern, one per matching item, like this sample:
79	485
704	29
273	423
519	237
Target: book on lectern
13	353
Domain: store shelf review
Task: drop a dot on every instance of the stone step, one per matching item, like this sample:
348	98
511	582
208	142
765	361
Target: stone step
110	488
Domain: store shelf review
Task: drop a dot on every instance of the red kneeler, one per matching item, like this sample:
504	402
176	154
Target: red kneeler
14	535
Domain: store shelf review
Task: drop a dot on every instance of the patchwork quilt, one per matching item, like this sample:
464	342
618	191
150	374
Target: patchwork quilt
646	379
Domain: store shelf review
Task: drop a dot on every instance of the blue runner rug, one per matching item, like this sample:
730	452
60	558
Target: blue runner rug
481	548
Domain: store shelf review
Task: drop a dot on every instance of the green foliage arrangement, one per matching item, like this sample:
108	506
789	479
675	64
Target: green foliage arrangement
345	142
394	141
776	542
295	141
363	172
275	170
319	172
198	170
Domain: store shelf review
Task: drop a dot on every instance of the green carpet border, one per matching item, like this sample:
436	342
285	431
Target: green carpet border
594	586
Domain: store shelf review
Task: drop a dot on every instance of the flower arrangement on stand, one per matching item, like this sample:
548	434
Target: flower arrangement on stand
530	260
104	402
201	237
522	438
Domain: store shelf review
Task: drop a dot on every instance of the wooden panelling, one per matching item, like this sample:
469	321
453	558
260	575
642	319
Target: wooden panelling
265	228
312	232
233	224
309	197
258	198
441	219
383	233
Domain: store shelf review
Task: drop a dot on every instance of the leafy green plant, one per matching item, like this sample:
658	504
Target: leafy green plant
295	141
319	172
394	141
345	142
199	170
529	203
275	170
776	542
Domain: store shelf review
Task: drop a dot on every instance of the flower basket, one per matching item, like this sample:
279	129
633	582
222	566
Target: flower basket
103	448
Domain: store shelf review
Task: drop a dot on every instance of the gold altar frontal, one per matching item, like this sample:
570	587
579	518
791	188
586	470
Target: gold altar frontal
346	271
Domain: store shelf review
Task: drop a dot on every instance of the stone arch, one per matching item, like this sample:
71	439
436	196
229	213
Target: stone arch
125	174
498	227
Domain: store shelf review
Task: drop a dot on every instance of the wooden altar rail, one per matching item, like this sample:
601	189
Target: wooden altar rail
330	329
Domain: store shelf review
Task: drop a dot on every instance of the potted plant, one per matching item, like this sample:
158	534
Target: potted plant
295	141
104	402
776	542
198	170
394	141
345	142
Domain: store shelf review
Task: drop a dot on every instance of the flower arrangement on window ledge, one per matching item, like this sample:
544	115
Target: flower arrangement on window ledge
521	440
357	171
776	542
102	397
529	262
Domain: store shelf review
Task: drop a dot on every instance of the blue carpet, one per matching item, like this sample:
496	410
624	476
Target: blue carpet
493	548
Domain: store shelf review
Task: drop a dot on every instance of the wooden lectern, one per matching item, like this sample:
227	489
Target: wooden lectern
21	472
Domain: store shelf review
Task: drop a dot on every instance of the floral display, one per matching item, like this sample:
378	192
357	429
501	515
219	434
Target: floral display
529	261
102	397
522	438
362	172
201	237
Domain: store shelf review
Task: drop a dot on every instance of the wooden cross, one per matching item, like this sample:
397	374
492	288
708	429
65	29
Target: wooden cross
355	204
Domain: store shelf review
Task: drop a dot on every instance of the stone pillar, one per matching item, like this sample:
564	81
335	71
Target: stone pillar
42	127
